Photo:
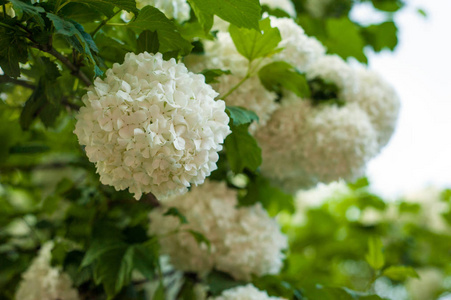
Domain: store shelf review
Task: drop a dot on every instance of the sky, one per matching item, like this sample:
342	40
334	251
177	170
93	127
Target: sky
419	153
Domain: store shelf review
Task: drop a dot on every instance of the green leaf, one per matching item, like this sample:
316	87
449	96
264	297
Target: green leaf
113	269
176	213
148	41
145	258
77	37
159	293
212	74
40	104
273	199
344	39
241	13
242	150
200	238
281	74
388	5
98	247
239	115
400	273
13	50
253	43
422	12
381	36
375	255
106	6
219	281
33	11
170	39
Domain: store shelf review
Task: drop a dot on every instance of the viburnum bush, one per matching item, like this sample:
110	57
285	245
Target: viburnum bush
204	149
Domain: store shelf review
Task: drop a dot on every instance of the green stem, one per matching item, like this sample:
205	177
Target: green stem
222	97
7	79
103	23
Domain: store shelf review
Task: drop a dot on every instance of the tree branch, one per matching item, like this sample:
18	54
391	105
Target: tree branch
75	70
7	79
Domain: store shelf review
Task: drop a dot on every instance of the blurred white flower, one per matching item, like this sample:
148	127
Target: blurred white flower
304	144
246	292
427	286
152	126
244	241
299	49
42	281
285	5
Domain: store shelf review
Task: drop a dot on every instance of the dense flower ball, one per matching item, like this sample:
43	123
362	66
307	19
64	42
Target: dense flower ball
247	292
285	5
299	49
222	54
152	126
304	144
42	281
244	241
173	9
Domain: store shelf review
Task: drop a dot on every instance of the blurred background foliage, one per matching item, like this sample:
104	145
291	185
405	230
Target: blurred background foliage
345	241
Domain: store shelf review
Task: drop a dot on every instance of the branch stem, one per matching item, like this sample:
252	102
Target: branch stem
7	79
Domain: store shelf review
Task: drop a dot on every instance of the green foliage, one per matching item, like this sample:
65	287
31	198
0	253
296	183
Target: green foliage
148	41
169	38
241	13
252	43
280	74
381	36
242	150
176	213
272	198
12	51
240	116
400	273
212	74
375	255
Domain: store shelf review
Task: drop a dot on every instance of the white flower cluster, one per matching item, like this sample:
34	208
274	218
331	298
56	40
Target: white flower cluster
244	241
299	49
42	281
222	54
304	144
152	126
285	5
247	292
173	9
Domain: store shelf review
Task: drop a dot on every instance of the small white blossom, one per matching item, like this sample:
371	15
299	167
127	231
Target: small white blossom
304	144
244	241
246	292
42	281
173	9
152	126
285	5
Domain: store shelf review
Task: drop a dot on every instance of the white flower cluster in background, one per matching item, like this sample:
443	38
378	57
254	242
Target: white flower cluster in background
244	241
304	144
298	49
247	292
42	281
173	9
152	126
222	54
285	5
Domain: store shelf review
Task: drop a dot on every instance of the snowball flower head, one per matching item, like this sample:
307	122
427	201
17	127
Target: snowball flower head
285	5
173	9
42	281
244	241
246	292
299	49
152	126
222	54
304	144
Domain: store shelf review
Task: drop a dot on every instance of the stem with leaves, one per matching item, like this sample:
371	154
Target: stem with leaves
7	79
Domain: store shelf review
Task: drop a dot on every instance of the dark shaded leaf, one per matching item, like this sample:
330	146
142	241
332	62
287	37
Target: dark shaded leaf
148	41
212	74
242	150
281	74
239	115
